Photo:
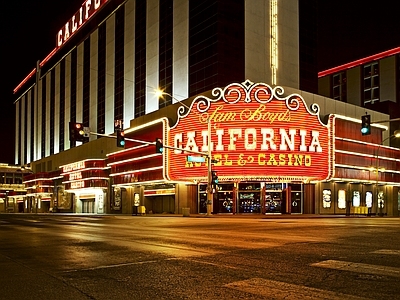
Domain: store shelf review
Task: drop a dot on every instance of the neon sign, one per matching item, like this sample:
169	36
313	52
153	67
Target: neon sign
256	134
74	166
88	8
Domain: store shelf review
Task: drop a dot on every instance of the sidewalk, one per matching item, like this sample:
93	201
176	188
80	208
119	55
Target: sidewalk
258	216
234	216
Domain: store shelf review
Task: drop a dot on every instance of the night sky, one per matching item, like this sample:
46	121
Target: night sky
346	31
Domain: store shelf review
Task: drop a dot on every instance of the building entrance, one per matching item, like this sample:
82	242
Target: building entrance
88	206
273	198
249	197
296	203
224	198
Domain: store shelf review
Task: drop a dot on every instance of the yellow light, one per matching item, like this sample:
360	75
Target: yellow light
159	93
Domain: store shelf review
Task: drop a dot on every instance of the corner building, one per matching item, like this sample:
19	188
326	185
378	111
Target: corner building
109	58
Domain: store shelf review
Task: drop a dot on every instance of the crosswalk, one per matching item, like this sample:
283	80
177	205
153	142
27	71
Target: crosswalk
271	289
359	268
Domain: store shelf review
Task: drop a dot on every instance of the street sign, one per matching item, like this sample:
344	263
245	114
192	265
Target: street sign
196	159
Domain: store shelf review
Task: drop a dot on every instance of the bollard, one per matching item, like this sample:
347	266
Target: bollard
186	211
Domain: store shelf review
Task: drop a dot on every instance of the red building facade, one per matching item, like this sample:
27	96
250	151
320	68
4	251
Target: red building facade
272	153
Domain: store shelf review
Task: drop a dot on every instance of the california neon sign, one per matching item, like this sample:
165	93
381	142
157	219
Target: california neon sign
256	134
88	8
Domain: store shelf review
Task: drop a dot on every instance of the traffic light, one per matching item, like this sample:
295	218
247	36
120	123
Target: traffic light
214	179
76	132
120	138
366	124
159	146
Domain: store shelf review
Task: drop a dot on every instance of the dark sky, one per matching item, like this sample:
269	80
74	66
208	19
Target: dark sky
347	31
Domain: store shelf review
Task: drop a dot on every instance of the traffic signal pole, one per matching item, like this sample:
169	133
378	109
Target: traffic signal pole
209	165
159	93
208	154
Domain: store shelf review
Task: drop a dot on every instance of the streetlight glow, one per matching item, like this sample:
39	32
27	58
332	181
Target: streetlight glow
159	93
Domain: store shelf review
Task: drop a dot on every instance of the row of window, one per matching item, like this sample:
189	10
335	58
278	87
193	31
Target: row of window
216	38
370	87
10	178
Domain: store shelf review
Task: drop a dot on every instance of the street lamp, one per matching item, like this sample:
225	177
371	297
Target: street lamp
159	94
396	134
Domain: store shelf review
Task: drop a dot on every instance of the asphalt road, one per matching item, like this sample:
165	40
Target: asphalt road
142	257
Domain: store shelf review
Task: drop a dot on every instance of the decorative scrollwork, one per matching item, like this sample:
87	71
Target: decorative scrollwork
293	102
234	93
247	92
315	108
203	104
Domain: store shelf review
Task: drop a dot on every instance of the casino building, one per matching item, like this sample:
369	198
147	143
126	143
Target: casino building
237	89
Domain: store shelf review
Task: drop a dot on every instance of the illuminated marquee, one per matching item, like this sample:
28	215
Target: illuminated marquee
73	166
256	134
88	8
84	174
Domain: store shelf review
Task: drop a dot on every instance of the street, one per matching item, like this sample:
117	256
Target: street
173	257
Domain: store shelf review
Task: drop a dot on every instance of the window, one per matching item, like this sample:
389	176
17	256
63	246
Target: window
339	87
371	83
165	50
101	80
119	64
140	58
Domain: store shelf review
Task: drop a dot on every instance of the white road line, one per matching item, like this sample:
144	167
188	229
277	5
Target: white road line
358	268
387	251
277	290
112	266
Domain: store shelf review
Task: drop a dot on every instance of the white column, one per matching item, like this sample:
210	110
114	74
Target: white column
110	73
152	54
180	54
129	63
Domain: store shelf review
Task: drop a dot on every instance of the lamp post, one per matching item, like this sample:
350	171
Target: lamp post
159	94
396	134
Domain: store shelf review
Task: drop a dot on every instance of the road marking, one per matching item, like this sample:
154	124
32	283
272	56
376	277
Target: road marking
214	264
30	220
387	251
277	290
112	266
358	268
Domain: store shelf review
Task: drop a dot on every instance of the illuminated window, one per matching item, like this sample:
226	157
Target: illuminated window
368	199
165	46
371	83
339	87
52	108
101	79
73	89
61	112
341	199
356	199
119	64
43	105
326	198
86	82
140	58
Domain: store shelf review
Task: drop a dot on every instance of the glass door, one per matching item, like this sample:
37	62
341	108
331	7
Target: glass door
203	199
224	197
273	198
249	198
